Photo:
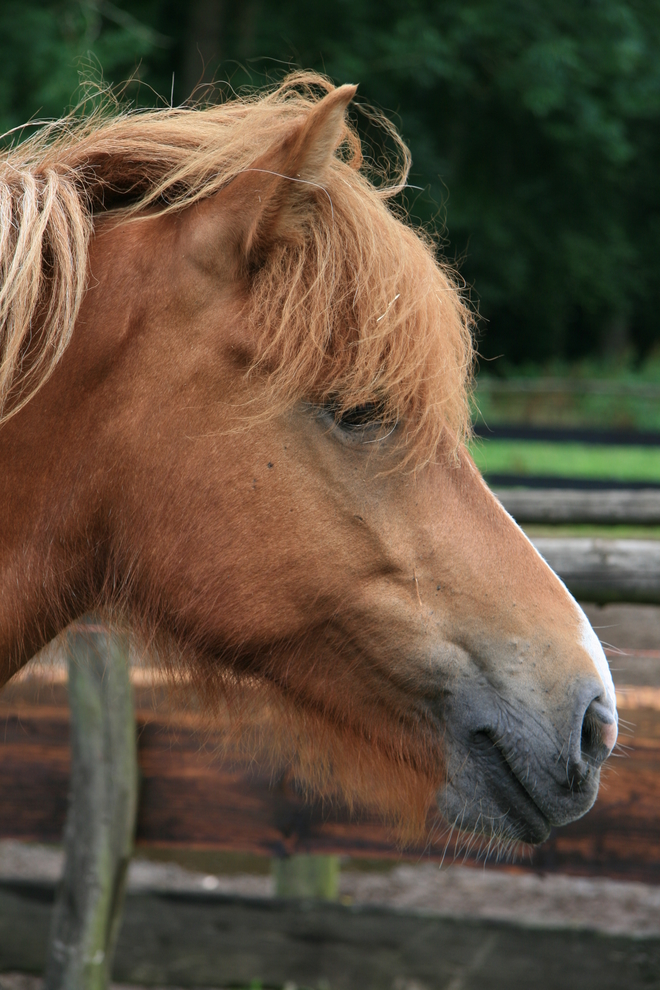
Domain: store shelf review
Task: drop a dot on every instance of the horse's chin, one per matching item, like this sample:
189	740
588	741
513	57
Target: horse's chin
504	813
486	797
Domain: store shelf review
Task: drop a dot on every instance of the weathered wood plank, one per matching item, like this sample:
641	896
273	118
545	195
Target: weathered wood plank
98	838
560	505
189	798
212	940
596	570
307	876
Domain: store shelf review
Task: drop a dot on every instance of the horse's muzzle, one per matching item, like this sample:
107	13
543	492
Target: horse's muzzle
514	771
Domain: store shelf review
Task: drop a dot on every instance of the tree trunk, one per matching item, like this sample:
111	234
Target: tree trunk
203	46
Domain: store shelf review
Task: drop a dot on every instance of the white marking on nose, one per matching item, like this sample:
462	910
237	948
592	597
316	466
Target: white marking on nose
589	641
591	644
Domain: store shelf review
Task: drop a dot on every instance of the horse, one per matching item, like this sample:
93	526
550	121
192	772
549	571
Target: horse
235	390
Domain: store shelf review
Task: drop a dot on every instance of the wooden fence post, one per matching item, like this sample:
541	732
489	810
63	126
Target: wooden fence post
100	825
305	875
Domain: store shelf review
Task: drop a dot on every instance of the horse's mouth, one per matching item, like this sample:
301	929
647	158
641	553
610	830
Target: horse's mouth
486	796
524	819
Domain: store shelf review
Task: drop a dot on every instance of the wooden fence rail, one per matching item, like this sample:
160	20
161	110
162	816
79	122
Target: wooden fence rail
191	798
210	940
597	570
639	507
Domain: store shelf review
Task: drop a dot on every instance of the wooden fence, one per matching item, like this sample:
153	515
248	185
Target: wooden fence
612	506
189	797
206	939
599	570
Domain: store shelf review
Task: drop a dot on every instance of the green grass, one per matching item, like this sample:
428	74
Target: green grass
573	460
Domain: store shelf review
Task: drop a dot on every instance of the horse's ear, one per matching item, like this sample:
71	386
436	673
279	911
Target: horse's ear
310	148
268	195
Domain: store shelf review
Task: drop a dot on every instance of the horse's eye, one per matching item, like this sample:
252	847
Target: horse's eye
369	414
367	423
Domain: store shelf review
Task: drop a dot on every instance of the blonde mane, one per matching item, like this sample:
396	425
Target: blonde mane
353	308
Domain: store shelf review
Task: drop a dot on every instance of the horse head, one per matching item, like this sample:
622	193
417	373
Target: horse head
247	437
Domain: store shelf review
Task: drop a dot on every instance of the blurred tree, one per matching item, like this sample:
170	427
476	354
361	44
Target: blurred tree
46	47
534	125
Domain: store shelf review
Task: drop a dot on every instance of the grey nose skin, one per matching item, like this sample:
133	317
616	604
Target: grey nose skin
518	766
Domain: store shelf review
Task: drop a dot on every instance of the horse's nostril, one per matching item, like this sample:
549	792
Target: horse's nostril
599	732
608	733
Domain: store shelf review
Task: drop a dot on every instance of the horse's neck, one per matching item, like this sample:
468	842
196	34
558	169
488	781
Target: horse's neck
23	631
37	522
51	528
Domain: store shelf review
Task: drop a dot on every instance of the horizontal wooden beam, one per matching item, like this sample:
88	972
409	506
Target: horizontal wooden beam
559	505
211	940
596	570
191	798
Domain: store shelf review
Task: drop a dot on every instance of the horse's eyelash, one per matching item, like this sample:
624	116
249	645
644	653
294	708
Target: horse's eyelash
388	434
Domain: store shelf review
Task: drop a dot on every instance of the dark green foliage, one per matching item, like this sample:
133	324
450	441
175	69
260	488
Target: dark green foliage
45	48
533	127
